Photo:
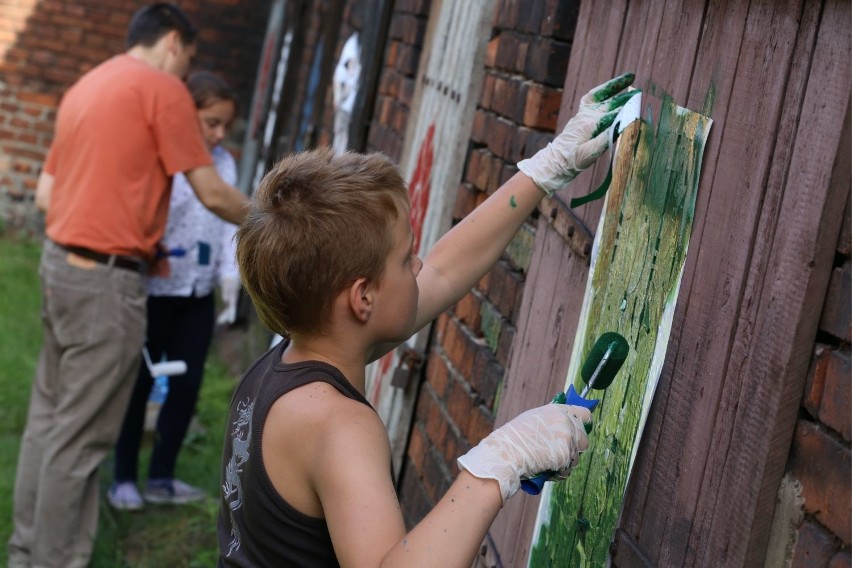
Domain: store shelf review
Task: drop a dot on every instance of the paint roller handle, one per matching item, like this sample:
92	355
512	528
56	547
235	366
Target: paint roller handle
534	485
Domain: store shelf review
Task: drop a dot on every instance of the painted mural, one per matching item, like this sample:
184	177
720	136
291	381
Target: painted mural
636	269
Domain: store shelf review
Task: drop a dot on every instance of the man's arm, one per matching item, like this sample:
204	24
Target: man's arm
44	189
224	200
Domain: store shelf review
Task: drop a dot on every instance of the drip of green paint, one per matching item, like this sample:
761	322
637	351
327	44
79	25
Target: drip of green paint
512	202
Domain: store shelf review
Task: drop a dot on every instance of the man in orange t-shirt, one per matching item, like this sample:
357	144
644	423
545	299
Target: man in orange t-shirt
122	131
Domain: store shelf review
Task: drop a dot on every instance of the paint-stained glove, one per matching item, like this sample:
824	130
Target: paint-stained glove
230	289
548	438
584	138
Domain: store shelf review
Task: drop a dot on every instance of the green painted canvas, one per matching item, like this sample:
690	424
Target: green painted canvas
637	264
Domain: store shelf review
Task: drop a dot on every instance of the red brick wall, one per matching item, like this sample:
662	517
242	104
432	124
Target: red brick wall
46	45
820	458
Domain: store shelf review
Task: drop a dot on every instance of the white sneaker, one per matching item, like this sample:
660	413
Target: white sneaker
172	492
125	496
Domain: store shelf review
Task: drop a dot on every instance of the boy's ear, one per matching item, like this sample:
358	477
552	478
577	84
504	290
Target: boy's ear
361	299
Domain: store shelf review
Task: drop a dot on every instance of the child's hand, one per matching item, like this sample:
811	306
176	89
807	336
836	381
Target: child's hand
548	438
584	138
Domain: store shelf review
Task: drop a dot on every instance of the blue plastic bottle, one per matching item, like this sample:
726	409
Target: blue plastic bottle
160	389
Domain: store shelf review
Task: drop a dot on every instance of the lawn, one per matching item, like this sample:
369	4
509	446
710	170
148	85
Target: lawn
158	536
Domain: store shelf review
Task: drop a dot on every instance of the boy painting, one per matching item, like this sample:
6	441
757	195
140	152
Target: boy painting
326	255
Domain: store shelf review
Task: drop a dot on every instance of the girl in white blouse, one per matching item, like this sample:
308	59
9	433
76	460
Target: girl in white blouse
181	316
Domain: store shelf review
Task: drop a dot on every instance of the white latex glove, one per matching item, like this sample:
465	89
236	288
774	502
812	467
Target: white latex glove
230	289
548	438
584	138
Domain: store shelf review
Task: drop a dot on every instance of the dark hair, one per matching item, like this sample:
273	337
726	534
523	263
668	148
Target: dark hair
154	21
319	221
208	88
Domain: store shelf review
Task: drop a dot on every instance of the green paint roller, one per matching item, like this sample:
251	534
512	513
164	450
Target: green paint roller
599	370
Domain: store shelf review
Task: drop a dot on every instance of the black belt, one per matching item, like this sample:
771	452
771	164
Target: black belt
117	260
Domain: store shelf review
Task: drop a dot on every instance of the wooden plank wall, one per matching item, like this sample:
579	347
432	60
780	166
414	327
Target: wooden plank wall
775	78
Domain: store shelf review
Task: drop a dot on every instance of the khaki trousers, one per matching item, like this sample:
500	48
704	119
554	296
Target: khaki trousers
94	328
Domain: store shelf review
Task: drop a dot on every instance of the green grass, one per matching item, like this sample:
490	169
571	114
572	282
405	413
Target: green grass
158	536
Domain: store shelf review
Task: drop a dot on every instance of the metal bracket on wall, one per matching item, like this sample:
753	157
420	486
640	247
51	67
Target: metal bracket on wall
569	227
410	361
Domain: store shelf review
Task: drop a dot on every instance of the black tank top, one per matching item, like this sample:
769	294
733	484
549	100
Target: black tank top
256	526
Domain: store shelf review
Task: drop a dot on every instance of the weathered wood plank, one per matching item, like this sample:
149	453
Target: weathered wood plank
752	121
538	363
661	455
793	258
799	41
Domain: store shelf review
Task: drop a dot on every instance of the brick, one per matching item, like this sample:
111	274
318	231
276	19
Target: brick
511	51
407	87
834	411
459	404
541	109
438	374
391	55
491	324
477	134
506	14
409	56
815	382
454	345
486	377
463	202
504	350
476	174
814	546
520	248
38	98
507	171
435	422
467	311
400	117
481	424
509	97
500	135
547	61
450	451
504	290
838	304
561	20
418	7
416	448
435	476
822	465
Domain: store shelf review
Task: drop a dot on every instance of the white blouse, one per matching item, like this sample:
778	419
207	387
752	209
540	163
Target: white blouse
201	245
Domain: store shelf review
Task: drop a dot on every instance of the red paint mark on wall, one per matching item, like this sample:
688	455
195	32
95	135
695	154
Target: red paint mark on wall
418	187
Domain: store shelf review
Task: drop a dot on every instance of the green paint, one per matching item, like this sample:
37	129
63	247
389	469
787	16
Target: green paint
520	248
646	223
612	87
512	203
491	323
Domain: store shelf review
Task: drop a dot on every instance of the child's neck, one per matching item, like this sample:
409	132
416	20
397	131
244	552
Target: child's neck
347	359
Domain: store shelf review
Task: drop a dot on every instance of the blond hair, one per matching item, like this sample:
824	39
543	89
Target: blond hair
318	223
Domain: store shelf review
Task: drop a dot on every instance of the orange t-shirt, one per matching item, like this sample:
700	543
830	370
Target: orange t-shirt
122	131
